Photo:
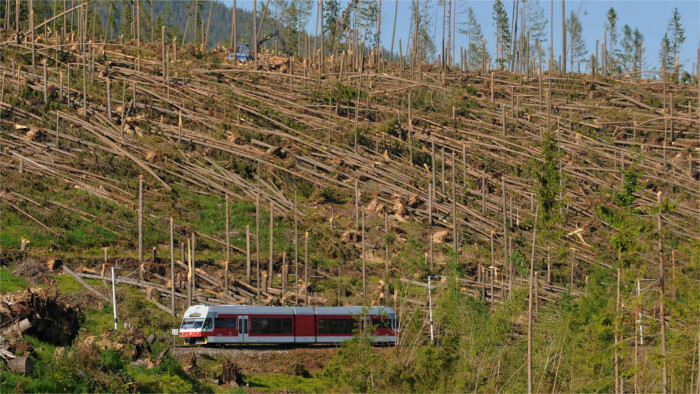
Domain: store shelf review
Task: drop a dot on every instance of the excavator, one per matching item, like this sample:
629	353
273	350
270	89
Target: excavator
244	53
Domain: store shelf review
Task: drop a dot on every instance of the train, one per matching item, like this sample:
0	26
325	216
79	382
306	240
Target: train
247	324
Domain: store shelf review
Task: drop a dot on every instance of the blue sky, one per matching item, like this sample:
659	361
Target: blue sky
650	17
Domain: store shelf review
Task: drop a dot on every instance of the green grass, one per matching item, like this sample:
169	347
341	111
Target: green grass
280	382
77	372
10	283
67	284
98	320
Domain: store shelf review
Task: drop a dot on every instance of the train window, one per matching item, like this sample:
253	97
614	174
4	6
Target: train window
333	326
381	322
271	326
275	326
336	326
255	326
346	326
230	322
207	324
219	322
286	326
191	323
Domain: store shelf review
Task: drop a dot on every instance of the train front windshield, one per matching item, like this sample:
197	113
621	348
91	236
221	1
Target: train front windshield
192	324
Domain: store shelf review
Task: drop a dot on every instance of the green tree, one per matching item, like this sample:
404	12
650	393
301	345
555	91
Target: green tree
127	14
536	24
630	44
425	40
611	26
333	25
676	36
474	37
575	31
501	23
668	60
548	178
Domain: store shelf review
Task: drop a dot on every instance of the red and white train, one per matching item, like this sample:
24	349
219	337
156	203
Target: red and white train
236	324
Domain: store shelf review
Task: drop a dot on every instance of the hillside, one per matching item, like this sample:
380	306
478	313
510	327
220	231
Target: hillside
585	186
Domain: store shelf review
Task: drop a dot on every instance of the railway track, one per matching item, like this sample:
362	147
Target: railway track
268	359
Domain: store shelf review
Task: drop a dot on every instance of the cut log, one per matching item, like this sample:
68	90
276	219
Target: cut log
17	329
21	365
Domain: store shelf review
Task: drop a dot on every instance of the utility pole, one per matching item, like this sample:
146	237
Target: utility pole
306	268
364	262
172	267
430	311
114	300
228	250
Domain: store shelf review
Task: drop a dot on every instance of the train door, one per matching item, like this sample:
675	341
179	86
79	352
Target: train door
242	328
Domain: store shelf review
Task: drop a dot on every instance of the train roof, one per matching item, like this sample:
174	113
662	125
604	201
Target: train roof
353	310
204	310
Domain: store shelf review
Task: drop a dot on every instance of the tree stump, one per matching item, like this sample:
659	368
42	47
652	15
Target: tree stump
21	365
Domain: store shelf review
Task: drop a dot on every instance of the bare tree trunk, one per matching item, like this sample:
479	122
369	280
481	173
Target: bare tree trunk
618	389
194	267
162	45
454	211
109	98
662	311
505	224
364	261
247	254
284	277
172	267
257	236
138	23
255	33
563	35
140	224
206	40
17	3
196	19
228	250
272	243
529	306
323	48
189	273
386	260
514	41
233	41
393	33
430	205
31	31
493	265
296	250
46	84
410	132
357	206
